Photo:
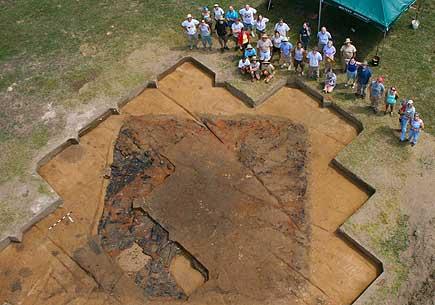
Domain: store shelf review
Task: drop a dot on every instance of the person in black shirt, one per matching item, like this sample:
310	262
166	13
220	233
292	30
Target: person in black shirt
221	31
304	35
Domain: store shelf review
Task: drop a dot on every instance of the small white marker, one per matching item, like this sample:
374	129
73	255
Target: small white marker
63	218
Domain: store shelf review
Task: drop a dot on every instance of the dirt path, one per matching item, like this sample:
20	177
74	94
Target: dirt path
337	273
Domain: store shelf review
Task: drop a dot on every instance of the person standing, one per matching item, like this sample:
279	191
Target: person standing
314	59
363	76
205	32
351	72
264	46
298	58
206	15
248	14
221	31
390	100
190	26
244	39
218	12
260	25
231	15
244	65
236	28
323	37
377	91
254	69
276	42
282	28
305	35
347	51
407	112
329	55
286	51
416	127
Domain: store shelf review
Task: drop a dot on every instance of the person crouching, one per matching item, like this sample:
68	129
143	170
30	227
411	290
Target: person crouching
250	52
244	65
330	81
268	70
254	69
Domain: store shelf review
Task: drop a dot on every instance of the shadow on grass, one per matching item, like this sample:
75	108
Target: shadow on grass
391	136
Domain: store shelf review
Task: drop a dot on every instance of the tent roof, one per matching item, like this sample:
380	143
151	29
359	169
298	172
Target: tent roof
381	12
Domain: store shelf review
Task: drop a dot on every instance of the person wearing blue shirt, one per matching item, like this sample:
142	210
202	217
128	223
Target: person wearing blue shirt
250	52
362	79
231	15
377	91
407	112
286	49
323	37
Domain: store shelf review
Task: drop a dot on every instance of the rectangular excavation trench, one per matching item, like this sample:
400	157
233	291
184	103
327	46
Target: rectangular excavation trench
33	271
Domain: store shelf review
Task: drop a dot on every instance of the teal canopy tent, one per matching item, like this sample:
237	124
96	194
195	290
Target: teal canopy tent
382	13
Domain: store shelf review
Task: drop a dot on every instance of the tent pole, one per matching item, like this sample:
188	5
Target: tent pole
383	42
320	16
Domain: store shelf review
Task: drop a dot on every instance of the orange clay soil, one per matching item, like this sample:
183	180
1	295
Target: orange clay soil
66	266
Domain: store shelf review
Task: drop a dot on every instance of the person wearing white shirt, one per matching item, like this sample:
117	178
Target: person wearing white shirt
247	13
314	59
260	24
244	65
276	41
282	28
218	12
190	25
236	28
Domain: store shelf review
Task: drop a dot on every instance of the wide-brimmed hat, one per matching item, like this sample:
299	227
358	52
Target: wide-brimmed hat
216	5
249	46
285	39
189	16
347	40
266	62
254	58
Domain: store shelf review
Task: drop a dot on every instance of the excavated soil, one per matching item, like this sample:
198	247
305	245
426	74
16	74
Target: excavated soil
227	196
211	203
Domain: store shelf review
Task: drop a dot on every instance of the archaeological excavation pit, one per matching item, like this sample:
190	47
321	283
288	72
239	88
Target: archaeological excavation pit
189	196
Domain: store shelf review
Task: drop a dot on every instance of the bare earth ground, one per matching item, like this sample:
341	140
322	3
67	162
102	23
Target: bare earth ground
67	264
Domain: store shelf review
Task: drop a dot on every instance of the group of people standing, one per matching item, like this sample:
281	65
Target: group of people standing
244	25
